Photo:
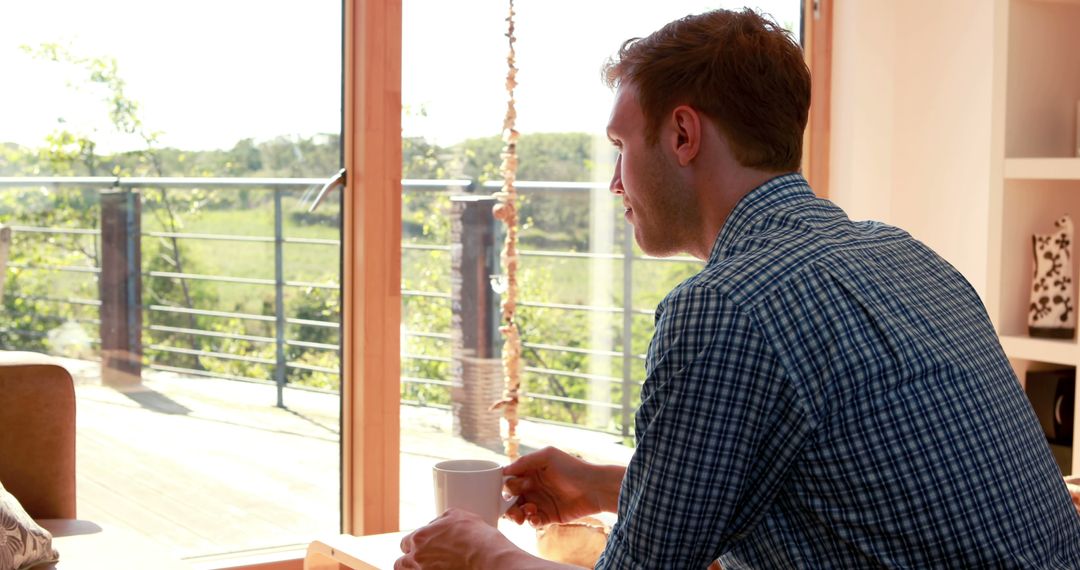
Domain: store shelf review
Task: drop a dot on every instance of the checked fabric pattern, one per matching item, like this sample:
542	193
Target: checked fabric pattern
831	394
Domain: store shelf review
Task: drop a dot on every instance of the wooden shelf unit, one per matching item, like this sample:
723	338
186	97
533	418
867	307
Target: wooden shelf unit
1035	171
1042	168
1062	352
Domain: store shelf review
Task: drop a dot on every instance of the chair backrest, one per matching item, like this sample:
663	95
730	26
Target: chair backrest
37	434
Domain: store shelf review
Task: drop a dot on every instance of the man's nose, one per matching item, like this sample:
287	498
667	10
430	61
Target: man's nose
616	178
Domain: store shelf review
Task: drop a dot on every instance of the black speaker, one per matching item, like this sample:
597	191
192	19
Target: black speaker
1053	395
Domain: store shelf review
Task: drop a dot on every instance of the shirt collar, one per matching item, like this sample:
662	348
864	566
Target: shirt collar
756	204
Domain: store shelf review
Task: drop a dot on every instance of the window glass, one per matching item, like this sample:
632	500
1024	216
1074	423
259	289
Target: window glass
587	294
159	162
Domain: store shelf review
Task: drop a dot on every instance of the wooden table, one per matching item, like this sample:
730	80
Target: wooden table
83	545
379	551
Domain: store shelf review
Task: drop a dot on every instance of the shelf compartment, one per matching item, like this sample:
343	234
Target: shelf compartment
1073	2
1041	349
1042	168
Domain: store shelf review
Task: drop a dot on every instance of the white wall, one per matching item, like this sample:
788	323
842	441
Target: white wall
911	102
863	71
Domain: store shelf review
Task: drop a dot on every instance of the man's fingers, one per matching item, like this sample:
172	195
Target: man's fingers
526	463
514	513
407	543
523	512
516	485
531	513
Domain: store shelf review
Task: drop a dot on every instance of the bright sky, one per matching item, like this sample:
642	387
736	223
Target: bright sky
208	73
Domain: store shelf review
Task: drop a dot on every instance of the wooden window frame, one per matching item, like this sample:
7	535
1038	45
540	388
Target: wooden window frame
817	45
371	268
371	245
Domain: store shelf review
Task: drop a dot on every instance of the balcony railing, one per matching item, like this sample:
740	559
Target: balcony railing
123	314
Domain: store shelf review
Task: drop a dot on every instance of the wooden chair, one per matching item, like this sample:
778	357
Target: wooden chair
37	434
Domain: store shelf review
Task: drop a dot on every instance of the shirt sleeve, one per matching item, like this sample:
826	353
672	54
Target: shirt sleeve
718	428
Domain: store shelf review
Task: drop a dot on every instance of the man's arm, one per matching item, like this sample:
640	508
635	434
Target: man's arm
554	486
718	428
460	539
607	496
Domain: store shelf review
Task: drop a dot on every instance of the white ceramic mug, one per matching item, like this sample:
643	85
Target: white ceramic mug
473	485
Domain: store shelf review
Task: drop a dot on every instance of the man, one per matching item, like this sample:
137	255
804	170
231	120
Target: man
824	394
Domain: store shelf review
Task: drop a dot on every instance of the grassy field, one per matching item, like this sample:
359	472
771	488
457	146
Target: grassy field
570	278
574	281
311	263
545	279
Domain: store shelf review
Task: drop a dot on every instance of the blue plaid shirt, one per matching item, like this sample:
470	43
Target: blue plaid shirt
830	394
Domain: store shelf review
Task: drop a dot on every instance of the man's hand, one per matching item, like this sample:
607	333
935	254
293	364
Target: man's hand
457	539
553	486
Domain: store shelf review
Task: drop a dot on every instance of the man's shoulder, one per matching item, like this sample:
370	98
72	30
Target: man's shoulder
792	244
736	279
774	250
691	294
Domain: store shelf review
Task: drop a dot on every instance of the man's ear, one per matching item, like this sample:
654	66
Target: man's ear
687	136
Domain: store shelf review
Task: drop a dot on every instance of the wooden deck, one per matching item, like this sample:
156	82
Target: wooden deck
204	467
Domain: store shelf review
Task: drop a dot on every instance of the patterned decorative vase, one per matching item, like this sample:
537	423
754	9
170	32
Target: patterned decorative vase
1052	313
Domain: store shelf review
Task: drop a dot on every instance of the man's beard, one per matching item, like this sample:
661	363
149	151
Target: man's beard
671	214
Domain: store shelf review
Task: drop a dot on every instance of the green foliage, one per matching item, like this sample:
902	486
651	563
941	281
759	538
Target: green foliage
71	154
30	314
541	156
557	327
31	305
426	221
102	75
316	305
554	220
420	159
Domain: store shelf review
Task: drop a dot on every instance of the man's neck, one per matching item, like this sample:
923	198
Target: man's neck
720	194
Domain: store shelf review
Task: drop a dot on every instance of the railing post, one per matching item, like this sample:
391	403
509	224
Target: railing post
279	299
628	326
120	289
476	368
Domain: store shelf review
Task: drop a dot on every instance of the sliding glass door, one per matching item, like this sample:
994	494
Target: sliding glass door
159	168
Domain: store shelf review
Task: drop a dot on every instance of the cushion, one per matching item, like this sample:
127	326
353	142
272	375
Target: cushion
23	543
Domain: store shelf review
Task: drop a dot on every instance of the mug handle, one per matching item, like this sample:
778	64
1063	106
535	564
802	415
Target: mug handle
507	502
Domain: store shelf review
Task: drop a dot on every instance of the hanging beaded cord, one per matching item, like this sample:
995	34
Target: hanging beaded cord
506	210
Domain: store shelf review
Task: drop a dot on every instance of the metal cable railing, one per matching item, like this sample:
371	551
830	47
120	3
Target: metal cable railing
279	363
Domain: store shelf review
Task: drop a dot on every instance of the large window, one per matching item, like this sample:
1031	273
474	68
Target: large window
160	162
168	157
588	294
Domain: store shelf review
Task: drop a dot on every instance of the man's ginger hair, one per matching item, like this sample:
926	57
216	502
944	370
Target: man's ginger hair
744	72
